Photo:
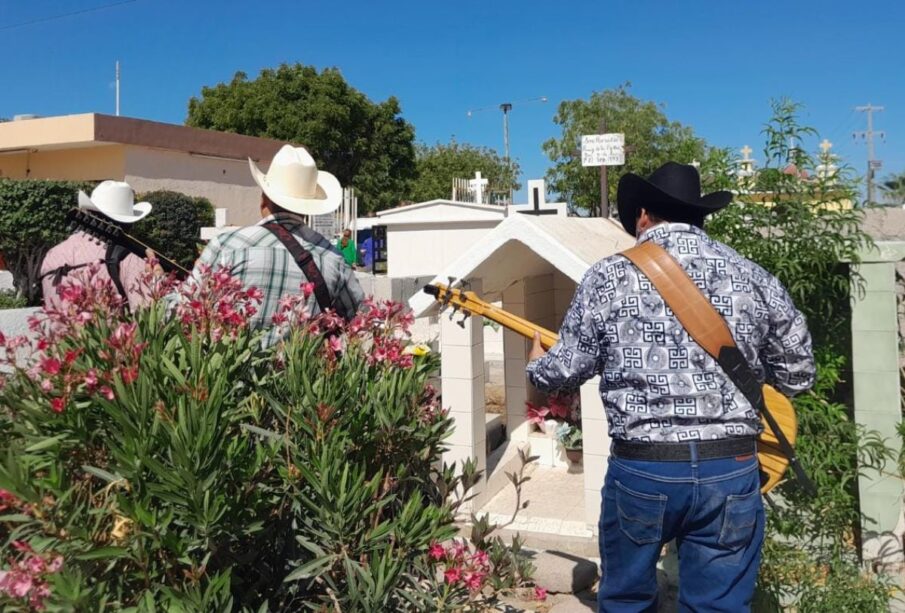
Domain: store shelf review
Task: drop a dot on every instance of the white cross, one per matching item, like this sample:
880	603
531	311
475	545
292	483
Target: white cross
477	186
825	146
746	151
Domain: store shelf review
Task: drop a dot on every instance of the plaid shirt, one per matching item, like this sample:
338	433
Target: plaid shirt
657	384
259	259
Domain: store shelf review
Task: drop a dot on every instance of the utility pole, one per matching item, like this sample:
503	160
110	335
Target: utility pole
872	164
604	189
506	107
117	88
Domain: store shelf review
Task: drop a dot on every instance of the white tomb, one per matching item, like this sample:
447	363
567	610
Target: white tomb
537	202
531	264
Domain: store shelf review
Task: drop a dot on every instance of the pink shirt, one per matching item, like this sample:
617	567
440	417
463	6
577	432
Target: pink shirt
83	249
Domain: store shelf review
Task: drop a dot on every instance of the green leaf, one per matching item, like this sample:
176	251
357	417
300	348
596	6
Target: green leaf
104	552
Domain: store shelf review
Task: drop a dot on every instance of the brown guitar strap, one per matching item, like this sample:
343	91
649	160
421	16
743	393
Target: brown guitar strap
707	327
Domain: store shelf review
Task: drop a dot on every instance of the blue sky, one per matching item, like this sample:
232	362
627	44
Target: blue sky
714	64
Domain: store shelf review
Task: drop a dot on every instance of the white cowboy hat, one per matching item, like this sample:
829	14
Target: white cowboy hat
116	200
294	183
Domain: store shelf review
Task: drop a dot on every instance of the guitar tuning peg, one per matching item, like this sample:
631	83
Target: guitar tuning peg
452	313
461	322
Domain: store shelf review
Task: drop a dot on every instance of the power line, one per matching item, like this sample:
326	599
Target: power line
94	9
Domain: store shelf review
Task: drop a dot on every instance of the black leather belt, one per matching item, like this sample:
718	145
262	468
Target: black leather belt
678	452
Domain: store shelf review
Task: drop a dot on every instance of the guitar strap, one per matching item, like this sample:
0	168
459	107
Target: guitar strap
305	261
709	330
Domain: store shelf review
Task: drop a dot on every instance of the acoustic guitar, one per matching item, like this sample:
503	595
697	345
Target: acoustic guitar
773	461
108	232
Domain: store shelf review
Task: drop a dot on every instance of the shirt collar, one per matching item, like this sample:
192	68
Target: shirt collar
290	219
661	230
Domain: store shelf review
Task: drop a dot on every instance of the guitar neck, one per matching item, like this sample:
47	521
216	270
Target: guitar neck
140	249
470	302
521	326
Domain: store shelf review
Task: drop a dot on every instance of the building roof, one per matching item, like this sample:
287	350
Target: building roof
527	245
442	202
95	129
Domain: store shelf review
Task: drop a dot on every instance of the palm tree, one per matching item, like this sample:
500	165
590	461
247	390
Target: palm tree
893	188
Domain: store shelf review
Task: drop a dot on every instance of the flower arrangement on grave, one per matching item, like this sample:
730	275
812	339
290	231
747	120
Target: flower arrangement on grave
562	412
165	459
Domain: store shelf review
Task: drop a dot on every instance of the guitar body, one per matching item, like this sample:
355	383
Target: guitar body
773	462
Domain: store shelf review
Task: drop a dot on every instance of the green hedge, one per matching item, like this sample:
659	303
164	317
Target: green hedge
174	226
32	220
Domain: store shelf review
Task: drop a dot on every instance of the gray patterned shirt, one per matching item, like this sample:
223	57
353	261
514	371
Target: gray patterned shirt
656	383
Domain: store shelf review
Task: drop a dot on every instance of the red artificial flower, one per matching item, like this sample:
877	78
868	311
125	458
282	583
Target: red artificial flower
57	405
536	414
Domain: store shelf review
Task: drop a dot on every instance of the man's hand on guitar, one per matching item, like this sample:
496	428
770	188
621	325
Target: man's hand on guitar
537	351
152	257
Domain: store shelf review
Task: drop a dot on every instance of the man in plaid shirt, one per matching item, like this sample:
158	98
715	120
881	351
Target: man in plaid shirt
260	255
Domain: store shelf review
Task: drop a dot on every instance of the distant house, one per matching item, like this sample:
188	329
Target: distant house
147	154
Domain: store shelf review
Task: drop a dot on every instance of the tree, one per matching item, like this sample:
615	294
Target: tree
439	164
650	139
365	144
893	188
174	226
32	220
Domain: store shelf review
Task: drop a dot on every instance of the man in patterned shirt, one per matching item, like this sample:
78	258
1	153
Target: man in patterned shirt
281	252
683	463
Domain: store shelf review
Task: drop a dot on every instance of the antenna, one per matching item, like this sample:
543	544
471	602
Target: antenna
117	88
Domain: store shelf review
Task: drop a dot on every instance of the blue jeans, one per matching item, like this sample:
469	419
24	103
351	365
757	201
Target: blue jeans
712	508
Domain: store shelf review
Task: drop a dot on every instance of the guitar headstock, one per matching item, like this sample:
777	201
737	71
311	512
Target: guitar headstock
457	298
94	225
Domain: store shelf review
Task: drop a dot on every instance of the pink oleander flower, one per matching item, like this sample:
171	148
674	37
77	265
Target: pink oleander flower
452	575
335	344
129	374
436	551
107	393
458	549
50	366
540	594
57	405
474	581
481	558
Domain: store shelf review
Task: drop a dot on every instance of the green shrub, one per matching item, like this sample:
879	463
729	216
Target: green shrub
154	463
32	220
174	226
11	300
800	234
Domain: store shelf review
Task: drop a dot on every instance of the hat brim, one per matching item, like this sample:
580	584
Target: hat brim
328	197
140	209
635	193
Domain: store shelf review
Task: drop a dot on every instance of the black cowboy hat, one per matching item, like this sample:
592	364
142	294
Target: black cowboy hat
673	191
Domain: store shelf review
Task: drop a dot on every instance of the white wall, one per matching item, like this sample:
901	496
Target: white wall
426	249
226	183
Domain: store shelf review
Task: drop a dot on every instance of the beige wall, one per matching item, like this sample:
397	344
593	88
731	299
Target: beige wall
82	164
227	183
